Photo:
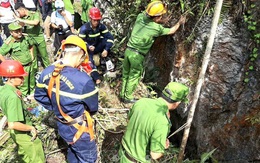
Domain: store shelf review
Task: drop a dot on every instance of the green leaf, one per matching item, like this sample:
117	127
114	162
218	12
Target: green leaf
182	6
257	35
205	156
255	50
252	5
121	59
246	80
253	28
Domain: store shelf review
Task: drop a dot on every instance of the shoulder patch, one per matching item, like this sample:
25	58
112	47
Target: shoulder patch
9	40
18	93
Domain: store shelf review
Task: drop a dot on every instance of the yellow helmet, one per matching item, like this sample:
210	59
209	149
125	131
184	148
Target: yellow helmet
75	40
155	8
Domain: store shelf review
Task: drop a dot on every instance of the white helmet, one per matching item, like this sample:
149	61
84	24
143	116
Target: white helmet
59	4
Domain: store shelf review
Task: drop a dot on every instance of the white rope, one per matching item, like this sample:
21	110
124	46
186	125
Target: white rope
178	130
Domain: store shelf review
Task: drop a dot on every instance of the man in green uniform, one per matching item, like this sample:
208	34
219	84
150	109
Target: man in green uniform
20	48
86	5
149	125
68	4
21	130
145	30
31	21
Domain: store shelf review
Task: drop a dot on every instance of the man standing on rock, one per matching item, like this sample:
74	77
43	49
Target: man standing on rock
149	125
147	27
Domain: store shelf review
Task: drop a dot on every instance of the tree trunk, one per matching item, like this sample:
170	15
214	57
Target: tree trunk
201	78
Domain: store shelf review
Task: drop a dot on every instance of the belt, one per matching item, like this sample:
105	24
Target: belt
75	120
129	157
135	50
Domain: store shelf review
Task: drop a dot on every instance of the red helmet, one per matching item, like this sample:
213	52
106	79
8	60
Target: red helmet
94	13
11	68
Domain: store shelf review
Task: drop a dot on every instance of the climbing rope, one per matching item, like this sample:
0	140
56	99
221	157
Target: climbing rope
178	130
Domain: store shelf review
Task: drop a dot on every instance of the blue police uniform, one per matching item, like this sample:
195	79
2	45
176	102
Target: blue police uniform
101	38
77	93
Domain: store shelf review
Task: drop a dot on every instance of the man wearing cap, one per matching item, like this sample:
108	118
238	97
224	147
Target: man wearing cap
61	21
146	28
149	125
19	121
20	48
31	21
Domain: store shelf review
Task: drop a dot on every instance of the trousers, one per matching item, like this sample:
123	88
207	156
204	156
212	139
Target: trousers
132	72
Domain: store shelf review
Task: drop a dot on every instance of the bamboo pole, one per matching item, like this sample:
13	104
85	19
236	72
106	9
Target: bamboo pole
200	81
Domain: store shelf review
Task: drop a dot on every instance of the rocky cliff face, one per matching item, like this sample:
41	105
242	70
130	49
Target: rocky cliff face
229	105
226	102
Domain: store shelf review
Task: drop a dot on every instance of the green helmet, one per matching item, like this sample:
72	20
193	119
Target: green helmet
175	92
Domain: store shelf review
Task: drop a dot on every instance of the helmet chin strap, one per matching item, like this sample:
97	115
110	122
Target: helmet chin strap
82	58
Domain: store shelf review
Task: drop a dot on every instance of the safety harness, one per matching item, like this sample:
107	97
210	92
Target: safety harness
85	118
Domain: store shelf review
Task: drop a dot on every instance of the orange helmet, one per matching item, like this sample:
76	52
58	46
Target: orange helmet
94	13
12	68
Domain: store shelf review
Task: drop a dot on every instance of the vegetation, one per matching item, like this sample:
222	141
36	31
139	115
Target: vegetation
112	115
252	22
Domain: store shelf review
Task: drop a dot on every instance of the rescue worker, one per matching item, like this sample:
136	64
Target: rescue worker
97	36
19	123
73	97
31	21
20	48
61	21
86	5
68	5
145	30
149	124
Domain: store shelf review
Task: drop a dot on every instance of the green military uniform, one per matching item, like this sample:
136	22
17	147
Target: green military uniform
147	130
69	6
142	37
86	5
20	50
11	103
35	32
